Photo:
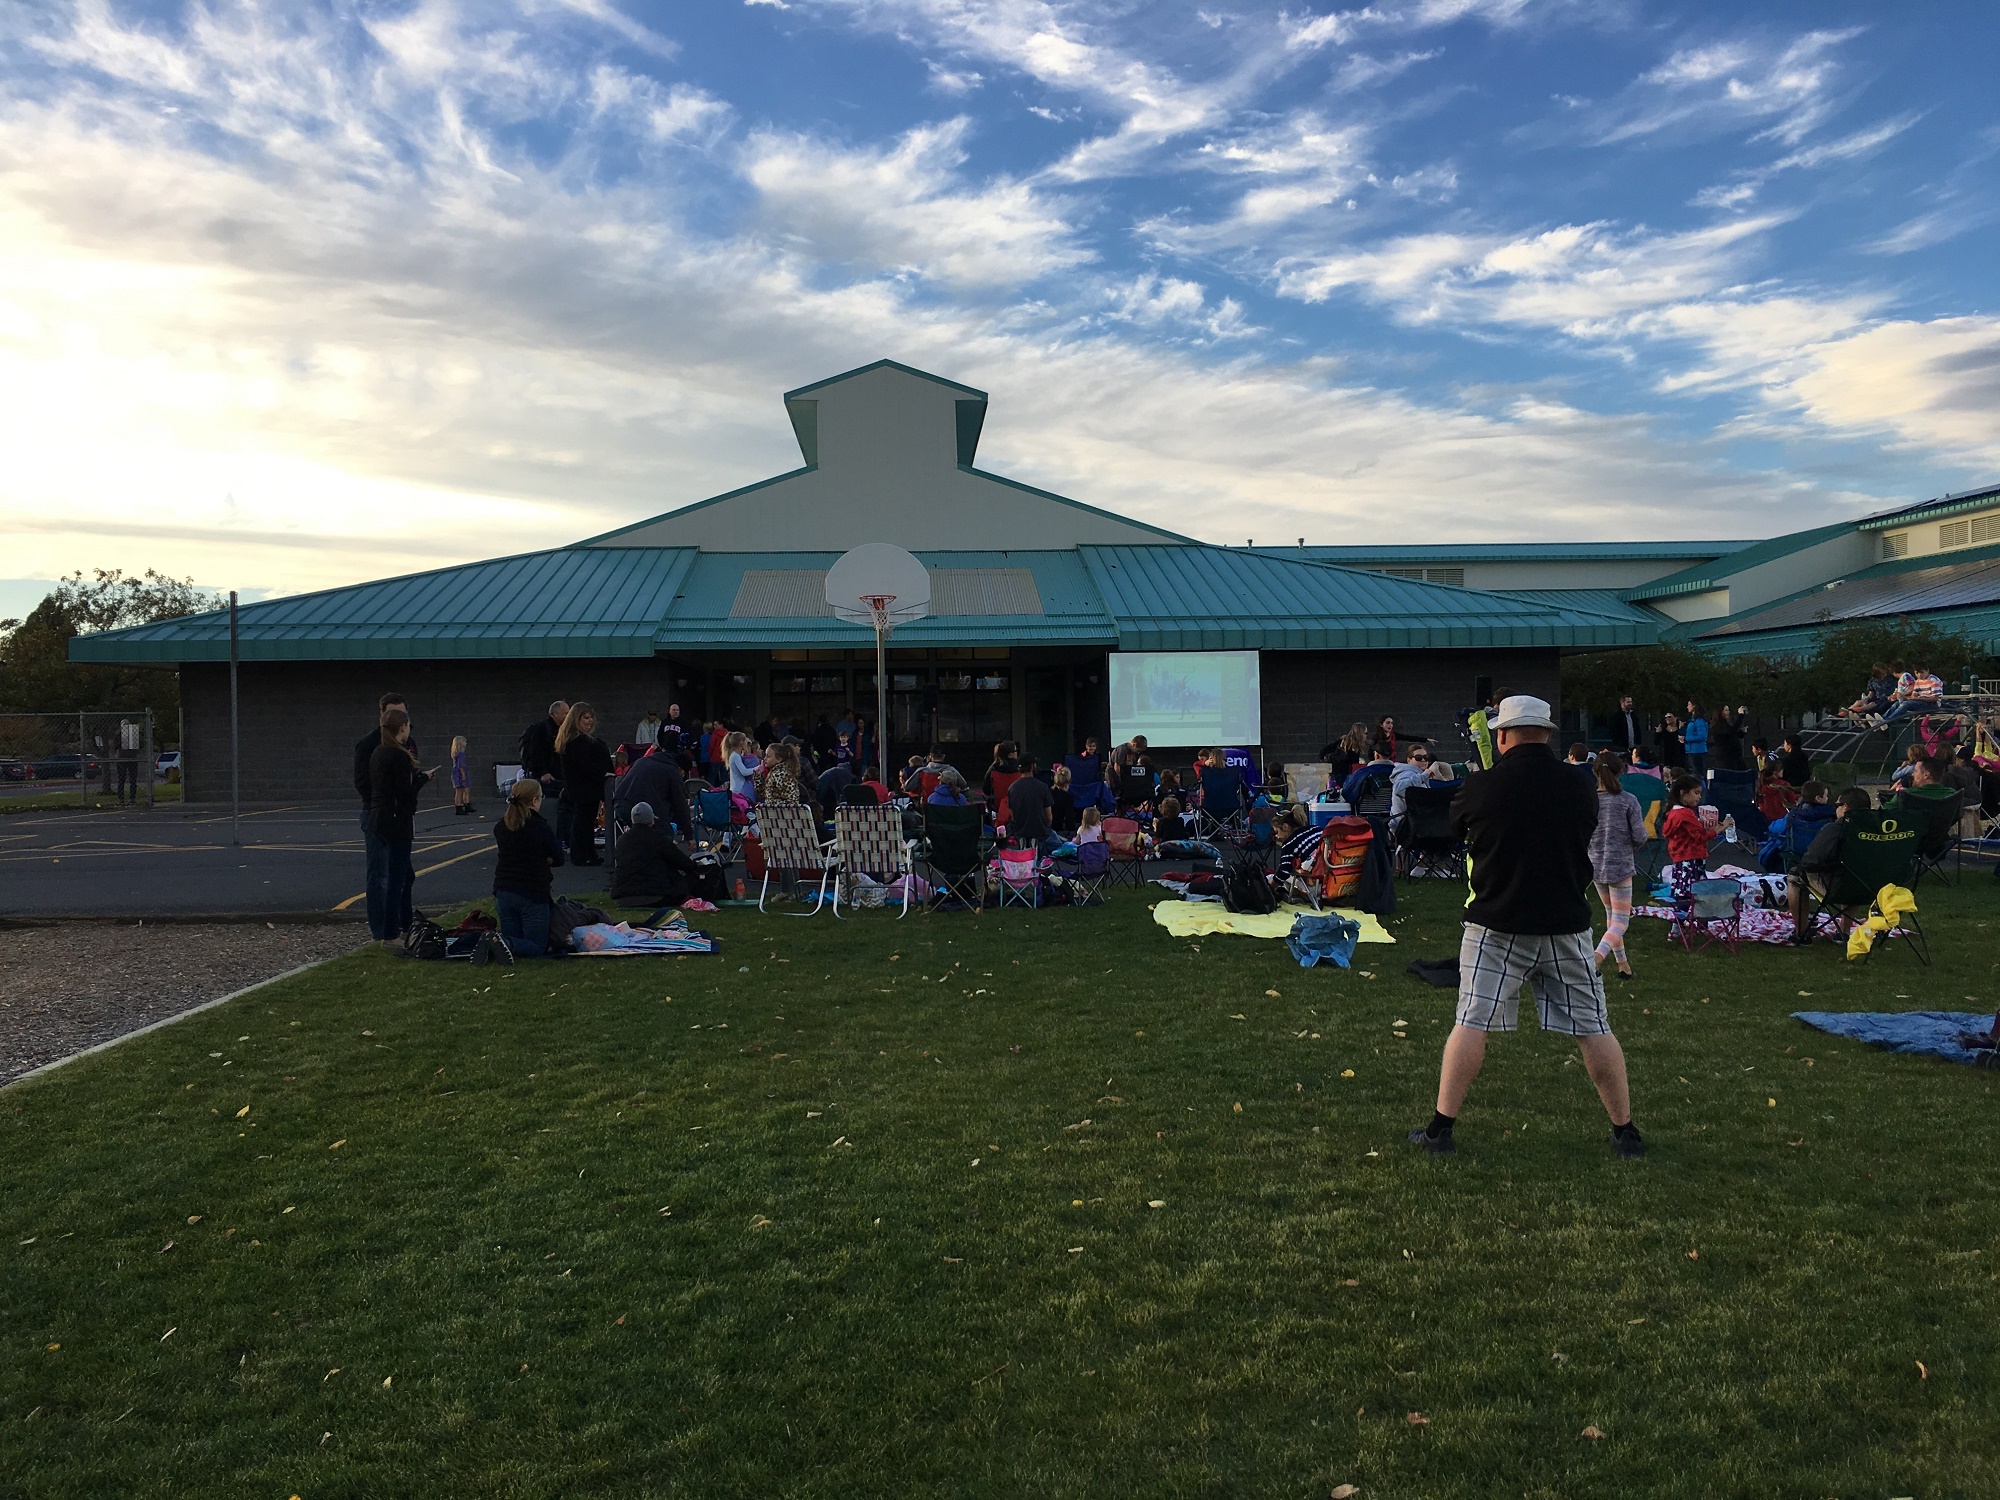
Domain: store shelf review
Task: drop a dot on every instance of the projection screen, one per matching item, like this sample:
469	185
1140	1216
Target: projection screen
1190	698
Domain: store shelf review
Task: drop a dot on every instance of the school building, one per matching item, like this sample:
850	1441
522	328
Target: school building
719	606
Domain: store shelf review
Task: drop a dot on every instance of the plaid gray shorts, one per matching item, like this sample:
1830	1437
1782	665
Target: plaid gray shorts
1492	967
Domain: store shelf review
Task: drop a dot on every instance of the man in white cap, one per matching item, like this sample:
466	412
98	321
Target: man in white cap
1527	825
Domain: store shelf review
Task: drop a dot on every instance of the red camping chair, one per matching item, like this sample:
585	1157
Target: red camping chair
1125	840
1333	872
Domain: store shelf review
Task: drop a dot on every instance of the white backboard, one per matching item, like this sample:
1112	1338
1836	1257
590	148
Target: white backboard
879	570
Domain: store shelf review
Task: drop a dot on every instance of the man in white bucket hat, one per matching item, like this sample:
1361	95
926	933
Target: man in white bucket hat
1527	824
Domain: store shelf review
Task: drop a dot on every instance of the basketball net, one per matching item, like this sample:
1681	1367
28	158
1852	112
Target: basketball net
878	610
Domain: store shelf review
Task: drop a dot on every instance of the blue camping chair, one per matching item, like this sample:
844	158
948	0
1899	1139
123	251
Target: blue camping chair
1734	795
1223	801
715	822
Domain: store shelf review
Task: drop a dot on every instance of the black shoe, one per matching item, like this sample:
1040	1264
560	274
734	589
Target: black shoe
1628	1145
1625	974
1437	1145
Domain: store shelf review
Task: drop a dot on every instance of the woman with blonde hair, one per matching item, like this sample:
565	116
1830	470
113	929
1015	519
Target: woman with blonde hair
585	764
522	876
742	765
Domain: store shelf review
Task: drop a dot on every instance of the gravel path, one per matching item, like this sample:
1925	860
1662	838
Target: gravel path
67	987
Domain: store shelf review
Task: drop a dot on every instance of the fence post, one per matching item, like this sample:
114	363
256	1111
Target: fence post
82	762
149	755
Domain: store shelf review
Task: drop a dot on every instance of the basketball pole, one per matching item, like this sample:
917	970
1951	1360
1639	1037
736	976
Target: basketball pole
882	698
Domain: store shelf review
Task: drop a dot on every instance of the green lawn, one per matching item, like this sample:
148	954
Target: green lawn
864	1209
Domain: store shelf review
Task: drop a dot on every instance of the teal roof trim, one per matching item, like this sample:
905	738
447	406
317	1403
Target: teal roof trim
1590	601
570	602
668	515
1436	552
1702	577
1933	510
885	364
1218	599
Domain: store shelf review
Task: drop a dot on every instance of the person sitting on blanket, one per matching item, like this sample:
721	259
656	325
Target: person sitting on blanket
1821	861
649	868
1687	837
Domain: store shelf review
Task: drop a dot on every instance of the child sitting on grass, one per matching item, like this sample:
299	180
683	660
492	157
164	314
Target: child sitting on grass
1687	837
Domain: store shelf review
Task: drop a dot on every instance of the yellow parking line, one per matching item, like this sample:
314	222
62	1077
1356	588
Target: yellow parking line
458	859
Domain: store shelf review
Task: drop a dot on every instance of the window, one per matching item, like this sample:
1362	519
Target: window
1453	576
1986	528
1955	534
1895	544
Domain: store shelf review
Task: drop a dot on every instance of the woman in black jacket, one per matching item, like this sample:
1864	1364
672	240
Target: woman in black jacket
1725	738
522	875
393	784
585	764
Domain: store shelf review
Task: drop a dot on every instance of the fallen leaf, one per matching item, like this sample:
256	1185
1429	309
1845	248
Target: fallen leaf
1635	1321
194	1218
338	1144
1807	993
1344	1491
1694	1255
760	1222
329	1375
52	1348
243	1111
290	1209
1273	994
975	1160
1239	1018
1076	1249
1417	1419
1772	1103
1592	1433
1237	1108
619	1321
1922	1373
170	1333
1351	1281
1347	1072
165	1248
387	1381
1156	1203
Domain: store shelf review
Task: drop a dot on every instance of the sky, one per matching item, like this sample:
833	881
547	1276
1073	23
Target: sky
296	295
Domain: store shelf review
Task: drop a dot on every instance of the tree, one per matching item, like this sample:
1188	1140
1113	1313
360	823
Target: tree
36	674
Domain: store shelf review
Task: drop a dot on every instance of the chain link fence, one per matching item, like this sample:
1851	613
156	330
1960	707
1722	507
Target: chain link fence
85	759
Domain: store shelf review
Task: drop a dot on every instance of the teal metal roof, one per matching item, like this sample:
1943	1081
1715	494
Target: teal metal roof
575	601
1605	602
1932	510
1445	552
1219	598
1980	624
1705	576
635	601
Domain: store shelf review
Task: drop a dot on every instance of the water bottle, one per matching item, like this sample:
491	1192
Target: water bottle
1729	828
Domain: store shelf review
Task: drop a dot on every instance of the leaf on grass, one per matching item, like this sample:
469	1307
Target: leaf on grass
1273	994
165	1248
760	1222
1417	1419
1347	1072
619	1322
1634	1321
170	1333
1239	1018
52	1348
1351	1281
1156	1203
975	1161
387	1381
338	1144
329	1374
1343	1492
1237	1108
243	1111
1592	1433
194	1218
1922	1373
1076	1249
290	1209
1771	1103
1694	1255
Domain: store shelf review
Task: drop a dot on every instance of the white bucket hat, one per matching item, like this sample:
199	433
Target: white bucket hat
1523	712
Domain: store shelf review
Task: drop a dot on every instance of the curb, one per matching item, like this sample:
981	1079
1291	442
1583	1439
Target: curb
188	918
166	1021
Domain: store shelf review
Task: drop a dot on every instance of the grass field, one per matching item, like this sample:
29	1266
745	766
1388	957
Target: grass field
868	1209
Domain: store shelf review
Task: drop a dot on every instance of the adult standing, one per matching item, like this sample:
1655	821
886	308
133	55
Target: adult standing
1625	734
364	754
523	873
393	784
1725	738
1614	850
1527	824
585	764
658	780
539	760
648	731
1672	757
1694	739
128	762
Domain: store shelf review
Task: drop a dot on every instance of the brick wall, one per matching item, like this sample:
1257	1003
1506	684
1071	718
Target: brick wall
1311	697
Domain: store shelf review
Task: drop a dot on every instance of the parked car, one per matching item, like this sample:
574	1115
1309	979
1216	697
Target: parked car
63	767
12	769
168	766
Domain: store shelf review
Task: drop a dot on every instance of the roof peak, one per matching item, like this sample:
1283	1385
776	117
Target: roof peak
886	364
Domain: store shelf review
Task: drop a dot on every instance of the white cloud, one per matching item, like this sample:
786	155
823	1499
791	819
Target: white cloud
1361	70
904	207
1155	301
1782	91
1860	143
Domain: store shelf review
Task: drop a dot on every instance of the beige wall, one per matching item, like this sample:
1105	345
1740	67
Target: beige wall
1978	528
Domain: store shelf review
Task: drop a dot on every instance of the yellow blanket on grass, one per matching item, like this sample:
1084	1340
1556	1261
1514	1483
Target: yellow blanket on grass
1198	918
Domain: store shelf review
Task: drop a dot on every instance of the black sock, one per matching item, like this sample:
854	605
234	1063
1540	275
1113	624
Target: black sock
1440	1125
1628	1130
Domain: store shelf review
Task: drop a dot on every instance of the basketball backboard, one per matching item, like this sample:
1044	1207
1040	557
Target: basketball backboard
878	583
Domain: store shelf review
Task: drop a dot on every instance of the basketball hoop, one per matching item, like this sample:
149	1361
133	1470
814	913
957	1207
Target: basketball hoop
879	585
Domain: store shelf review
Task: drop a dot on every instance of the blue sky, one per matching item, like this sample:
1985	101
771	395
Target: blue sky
293	295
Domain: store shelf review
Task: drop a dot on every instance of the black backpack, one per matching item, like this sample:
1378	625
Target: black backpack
1245	887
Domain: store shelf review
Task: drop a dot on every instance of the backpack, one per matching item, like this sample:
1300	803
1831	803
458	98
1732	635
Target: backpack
1245	887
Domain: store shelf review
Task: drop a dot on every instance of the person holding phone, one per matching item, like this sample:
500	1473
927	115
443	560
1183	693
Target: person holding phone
393	784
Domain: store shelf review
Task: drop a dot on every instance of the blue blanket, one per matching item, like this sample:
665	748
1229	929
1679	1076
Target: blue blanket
1934	1033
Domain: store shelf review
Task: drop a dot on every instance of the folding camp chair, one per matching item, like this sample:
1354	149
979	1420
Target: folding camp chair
1331	873
1016	878
1375	797
791	841
869	841
954	852
1711	910
1427	841
1734	795
1220	813
1127	851
1652	795
1878	849
1087	872
715	822
1003	781
1939	808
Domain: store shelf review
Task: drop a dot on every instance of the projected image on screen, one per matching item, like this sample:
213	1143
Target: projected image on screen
1186	697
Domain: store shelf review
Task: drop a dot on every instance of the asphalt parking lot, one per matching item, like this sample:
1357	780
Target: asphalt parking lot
179	862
